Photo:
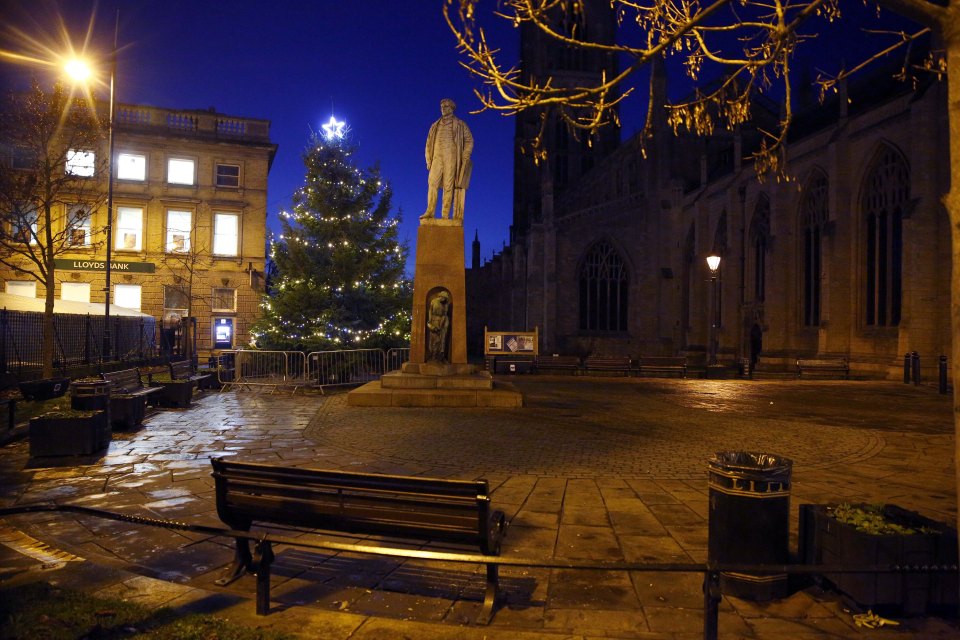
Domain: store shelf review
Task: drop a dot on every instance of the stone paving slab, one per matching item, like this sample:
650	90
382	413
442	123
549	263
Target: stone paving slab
604	469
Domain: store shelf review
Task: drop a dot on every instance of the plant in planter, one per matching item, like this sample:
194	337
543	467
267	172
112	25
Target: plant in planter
882	535
176	393
69	432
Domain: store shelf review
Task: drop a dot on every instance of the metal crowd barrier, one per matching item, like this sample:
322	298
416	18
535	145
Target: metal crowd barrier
273	369
710	570
295	369
352	367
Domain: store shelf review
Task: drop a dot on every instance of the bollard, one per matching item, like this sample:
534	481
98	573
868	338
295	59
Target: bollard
906	368
915	362
943	374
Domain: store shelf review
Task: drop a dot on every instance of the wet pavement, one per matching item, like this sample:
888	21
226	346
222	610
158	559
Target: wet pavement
591	468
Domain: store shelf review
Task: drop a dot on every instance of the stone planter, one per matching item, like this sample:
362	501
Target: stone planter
44	389
54	434
825	540
176	393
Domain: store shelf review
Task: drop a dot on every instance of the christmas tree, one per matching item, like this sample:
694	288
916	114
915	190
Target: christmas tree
340	269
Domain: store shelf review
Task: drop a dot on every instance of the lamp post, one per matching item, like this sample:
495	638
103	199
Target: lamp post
713	263
79	70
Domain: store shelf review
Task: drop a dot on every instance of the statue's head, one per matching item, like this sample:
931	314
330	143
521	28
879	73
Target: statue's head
447	106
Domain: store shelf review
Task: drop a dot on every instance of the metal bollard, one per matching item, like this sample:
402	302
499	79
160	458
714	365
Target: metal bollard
915	362
906	368
943	374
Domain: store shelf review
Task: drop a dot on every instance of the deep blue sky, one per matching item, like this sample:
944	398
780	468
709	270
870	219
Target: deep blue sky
382	66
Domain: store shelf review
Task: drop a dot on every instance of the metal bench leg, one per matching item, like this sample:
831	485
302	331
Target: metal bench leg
242	562
262	564
490	597
711	605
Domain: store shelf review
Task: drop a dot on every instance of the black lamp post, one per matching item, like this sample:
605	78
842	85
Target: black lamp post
713	263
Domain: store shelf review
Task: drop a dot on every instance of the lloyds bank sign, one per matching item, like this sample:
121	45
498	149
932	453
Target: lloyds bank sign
70	264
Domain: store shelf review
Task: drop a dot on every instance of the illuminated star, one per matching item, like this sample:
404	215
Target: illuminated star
333	130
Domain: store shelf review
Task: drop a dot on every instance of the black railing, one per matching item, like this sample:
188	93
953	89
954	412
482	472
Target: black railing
711	570
78	341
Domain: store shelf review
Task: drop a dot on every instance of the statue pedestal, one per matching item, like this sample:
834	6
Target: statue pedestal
422	382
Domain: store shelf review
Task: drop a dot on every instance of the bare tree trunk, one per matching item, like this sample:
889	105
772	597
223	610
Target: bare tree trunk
49	333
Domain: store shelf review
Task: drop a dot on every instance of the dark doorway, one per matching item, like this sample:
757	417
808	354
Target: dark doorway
756	345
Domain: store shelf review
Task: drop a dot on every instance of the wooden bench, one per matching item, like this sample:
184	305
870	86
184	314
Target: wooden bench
128	397
544	364
404	507
183	370
620	364
656	365
823	366
221	369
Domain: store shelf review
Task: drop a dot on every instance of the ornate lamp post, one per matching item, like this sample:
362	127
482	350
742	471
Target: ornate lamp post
713	263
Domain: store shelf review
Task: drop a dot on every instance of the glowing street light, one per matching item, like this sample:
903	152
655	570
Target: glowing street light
81	72
713	263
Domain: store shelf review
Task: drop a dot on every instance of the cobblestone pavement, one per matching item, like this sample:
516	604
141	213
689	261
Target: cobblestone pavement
592	468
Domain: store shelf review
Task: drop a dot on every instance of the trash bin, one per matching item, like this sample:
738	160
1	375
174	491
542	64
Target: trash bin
749	520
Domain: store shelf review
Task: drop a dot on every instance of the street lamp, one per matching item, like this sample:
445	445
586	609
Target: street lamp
713	263
80	72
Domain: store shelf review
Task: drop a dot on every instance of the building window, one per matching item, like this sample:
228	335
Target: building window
25	288
178	231
759	244
24	224
175	301
228	175
603	290
224	299
75	291
181	171
80	163
813	218
129	229
78	226
886	193
131	166
226	234
127	295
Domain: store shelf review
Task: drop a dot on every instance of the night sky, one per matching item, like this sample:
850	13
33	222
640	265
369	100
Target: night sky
381	66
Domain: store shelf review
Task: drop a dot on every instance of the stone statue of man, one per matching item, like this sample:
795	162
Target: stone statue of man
449	145
439	326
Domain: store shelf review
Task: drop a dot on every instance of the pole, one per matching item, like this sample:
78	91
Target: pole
105	355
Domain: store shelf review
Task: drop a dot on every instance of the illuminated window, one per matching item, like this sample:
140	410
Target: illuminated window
25	288
228	175
23	223
80	163
78	226
224	299
226	234
603	290
180	171
127	295
131	166
75	291
178	231
129	235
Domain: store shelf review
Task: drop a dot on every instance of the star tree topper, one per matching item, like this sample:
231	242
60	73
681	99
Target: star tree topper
333	130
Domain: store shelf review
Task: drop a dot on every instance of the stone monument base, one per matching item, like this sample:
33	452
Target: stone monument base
436	385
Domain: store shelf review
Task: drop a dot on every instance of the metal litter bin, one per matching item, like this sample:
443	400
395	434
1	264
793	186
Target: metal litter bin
749	520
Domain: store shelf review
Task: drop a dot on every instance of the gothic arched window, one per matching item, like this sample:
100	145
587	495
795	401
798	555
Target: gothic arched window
885	195
814	214
603	290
